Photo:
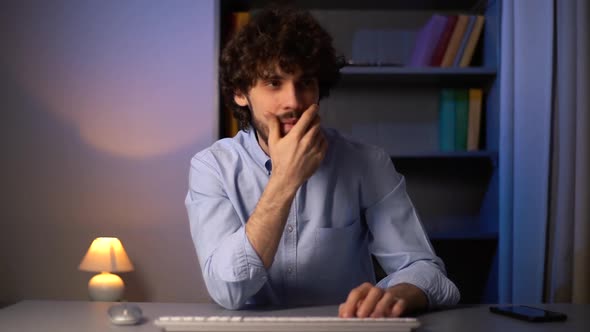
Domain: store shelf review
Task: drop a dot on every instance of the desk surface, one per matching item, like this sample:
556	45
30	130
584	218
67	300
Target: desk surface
92	316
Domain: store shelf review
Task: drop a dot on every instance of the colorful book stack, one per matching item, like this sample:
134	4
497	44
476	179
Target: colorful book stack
460	119
447	41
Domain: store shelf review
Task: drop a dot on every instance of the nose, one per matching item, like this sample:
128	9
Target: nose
292	96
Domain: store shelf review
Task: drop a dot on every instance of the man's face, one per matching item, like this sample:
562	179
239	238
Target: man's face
281	94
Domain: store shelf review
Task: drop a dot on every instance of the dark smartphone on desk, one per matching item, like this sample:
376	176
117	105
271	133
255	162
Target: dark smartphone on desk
530	314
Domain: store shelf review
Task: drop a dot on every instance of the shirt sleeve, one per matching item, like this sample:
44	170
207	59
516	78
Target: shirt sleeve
399	242
232	270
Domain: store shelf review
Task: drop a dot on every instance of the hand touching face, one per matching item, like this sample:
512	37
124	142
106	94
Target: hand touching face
298	154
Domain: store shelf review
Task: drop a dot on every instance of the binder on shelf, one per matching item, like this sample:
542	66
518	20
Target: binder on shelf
455	41
446	128
474	125
426	41
461	118
467	55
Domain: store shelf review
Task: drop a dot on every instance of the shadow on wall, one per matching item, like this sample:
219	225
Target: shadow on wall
136	289
103	105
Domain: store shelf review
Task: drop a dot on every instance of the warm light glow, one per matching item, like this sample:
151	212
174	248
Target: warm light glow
135	86
106	254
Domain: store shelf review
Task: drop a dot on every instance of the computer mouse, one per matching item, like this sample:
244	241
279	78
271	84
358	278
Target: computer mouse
125	314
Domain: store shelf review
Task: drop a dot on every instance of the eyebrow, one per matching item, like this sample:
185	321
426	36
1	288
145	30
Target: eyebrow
272	77
278	77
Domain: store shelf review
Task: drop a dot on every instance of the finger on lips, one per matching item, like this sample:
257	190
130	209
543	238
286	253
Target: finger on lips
274	131
307	118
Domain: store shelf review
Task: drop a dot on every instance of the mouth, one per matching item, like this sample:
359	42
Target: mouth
289	118
289	121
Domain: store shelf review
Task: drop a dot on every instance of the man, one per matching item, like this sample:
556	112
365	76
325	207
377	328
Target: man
287	212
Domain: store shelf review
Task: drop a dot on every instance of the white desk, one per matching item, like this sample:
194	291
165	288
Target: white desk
81	316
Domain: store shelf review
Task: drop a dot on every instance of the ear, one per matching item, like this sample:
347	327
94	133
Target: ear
240	99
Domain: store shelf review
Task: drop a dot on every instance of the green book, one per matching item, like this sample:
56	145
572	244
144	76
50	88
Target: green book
461	118
446	123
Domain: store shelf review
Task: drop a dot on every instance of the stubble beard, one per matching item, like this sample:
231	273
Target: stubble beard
261	130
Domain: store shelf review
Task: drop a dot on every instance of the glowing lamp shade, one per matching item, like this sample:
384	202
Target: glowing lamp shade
105	255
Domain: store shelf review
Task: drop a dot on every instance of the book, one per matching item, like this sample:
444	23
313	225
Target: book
474	119
455	41
472	41
446	122
239	20
463	44
443	42
426	40
461	117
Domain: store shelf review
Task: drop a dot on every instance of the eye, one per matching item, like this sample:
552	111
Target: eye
273	83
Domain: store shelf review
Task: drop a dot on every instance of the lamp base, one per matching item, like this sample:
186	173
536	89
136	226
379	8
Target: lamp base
106	286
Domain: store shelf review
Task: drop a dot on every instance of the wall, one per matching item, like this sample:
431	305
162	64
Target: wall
103	103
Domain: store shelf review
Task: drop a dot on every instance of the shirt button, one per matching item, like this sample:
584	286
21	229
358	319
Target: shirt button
289	228
290	270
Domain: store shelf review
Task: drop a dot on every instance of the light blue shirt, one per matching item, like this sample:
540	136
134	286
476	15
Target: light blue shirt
353	206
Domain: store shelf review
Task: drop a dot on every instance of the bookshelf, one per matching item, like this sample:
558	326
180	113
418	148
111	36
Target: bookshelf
396	107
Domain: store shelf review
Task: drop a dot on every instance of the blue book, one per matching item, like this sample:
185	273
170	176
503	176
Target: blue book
446	123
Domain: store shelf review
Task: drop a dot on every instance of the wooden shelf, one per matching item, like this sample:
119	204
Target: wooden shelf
414	5
451	77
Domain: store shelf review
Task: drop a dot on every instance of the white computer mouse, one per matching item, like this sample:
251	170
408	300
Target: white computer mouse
125	314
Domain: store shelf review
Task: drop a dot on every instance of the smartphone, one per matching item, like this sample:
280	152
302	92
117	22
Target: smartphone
530	314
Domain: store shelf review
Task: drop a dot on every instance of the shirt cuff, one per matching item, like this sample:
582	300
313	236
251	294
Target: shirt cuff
438	288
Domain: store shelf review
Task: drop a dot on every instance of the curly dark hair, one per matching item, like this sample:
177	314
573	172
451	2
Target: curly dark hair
283	36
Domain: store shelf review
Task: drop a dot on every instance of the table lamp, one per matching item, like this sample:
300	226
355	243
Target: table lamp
105	255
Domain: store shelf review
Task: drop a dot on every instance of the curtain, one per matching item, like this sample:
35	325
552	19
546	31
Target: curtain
544	163
526	55
567	277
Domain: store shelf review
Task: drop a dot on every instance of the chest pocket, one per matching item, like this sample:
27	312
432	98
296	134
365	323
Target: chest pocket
341	252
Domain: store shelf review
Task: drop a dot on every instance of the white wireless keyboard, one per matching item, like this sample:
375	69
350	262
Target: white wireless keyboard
285	324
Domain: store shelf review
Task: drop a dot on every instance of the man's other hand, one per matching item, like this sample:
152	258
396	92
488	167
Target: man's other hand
368	300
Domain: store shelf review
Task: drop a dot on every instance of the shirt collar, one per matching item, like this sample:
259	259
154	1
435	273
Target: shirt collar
256	151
